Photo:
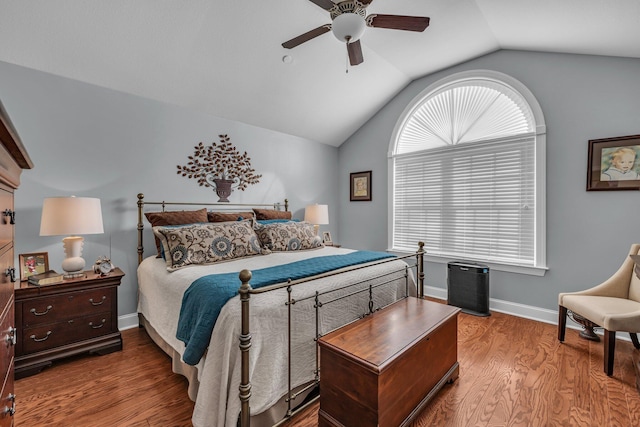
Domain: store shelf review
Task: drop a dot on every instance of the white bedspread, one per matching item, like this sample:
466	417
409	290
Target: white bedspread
217	403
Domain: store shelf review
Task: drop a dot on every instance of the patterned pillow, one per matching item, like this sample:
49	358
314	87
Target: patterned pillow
157	219
207	243
228	216
288	236
271	214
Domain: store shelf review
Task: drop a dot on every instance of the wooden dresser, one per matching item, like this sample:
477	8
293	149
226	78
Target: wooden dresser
13	159
71	317
382	370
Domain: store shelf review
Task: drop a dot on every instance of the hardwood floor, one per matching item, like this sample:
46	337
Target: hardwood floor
513	372
134	387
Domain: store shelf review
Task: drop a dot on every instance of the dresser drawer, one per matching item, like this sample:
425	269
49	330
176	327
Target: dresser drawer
66	306
7	346
45	337
7	400
6	228
6	286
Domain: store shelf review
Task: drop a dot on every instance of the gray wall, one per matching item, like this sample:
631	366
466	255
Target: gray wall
89	141
588	233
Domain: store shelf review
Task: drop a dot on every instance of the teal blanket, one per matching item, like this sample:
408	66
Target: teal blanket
203	300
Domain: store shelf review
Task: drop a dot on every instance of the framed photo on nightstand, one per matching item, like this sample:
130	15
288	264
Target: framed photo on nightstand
326	238
34	263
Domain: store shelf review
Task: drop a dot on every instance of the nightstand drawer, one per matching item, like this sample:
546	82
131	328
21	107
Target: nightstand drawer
67	306
53	335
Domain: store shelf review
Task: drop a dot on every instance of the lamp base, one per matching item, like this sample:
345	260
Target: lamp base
73	275
73	264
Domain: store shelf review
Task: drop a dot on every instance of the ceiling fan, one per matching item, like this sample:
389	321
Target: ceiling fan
349	19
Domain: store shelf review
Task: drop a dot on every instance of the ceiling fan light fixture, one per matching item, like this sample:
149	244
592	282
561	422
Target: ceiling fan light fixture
348	27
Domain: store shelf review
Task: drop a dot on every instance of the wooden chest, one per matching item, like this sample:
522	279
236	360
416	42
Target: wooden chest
383	369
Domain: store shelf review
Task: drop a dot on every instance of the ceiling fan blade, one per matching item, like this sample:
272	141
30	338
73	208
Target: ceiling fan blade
325	4
366	2
306	36
355	53
398	22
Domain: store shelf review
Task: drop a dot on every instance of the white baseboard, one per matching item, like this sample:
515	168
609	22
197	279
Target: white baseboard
521	310
128	321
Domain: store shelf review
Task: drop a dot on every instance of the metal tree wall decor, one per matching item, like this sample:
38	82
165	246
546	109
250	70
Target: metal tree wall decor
220	166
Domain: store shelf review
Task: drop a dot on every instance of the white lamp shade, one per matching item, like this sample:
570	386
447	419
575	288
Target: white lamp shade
348	25
71	216
317	214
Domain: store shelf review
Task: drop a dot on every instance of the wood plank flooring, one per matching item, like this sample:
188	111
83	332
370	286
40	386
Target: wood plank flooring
513	372
134	387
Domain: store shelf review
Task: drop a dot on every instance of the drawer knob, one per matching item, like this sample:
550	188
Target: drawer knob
11	272
10	338
97	326
33	337
11	214
41	313
99	302
10	410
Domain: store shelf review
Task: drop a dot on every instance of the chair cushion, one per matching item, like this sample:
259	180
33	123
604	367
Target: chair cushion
614	314
634	286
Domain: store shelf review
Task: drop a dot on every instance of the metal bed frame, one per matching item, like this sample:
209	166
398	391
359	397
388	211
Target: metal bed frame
320	299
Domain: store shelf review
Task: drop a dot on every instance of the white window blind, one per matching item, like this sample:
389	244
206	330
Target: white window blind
464	170
473	200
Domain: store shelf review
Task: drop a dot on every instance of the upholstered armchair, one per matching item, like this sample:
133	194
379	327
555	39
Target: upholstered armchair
613	305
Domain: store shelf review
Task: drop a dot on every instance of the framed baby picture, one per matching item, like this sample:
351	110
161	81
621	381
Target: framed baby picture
34	263
614	164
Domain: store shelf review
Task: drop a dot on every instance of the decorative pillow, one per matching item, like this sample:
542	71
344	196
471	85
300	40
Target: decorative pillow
271	214
157	219
207	243
288	236
228	216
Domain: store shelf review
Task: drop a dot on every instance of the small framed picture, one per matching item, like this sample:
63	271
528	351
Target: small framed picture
326	238
360	187
614	163
34	263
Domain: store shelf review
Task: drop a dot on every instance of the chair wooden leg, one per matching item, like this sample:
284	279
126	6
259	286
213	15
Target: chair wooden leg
609	349
634	340
562	322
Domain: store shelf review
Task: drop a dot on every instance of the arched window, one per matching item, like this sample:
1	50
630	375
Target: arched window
468	167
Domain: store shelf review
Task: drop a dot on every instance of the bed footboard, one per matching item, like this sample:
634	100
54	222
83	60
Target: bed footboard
246	291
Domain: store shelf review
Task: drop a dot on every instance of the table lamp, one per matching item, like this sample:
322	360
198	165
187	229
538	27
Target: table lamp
317	215
71	216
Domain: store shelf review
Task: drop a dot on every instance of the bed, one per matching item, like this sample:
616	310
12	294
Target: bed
261	361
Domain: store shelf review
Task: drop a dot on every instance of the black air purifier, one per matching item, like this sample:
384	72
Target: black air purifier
468	287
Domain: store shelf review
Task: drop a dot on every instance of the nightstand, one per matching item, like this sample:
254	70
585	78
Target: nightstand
71	317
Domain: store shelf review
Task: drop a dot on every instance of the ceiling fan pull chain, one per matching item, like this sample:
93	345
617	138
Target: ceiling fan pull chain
347	64
346	44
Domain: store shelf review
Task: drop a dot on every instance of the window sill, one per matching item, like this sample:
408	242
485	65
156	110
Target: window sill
510	268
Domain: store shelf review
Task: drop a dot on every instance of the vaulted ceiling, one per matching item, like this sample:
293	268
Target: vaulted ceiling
225	57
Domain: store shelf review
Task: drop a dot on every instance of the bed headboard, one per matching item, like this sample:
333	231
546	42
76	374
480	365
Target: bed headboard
218	207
